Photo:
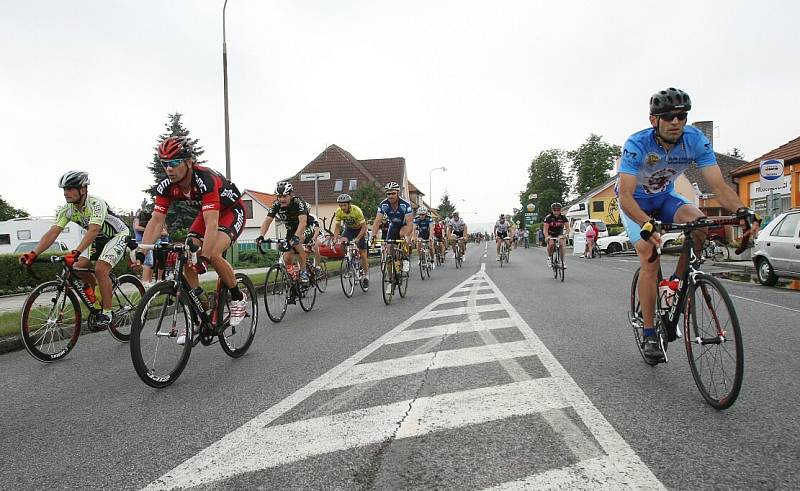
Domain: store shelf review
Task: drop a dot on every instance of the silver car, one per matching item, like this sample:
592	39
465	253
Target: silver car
777	249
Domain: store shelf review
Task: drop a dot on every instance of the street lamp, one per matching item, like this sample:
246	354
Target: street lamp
225	89
430	183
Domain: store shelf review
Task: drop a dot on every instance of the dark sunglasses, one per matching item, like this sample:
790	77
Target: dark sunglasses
172	163
671	116
392	193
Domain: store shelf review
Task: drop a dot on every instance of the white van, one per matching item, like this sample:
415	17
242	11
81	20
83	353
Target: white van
579	227
18	230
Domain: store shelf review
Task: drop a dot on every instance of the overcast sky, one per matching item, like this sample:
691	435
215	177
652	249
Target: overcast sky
478	87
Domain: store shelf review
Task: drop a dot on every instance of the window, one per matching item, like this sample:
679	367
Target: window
598	206
5	239
353	185
787	226
23	234
248	208
338	185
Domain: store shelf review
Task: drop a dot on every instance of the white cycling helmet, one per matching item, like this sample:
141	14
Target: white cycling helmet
74	179
392	186
344	198
422	210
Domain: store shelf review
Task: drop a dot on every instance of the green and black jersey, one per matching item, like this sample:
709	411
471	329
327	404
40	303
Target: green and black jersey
95	212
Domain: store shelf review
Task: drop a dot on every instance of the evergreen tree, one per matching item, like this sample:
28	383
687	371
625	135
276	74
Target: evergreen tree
7	212
547	181
180	214
735	153
591	163
367	197
446	208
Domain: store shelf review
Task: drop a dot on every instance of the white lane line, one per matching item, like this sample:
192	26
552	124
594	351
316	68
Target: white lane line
208	457
765	303
379	370
463	298
449	329
279	445
589	475
626	467
462	310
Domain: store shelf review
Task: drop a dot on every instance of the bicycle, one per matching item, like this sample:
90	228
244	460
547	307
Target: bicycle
425	261
504	251
557	260
710	336
393	270
715	250
50	322
351	270
439	256
172	308
458	253
282	285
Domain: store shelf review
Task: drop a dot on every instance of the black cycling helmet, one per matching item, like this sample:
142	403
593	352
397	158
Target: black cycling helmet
284	188
670	99
74	179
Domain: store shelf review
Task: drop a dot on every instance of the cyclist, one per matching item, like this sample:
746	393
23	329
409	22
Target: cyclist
554	224
500	231
652	159
422	229
438	237
398	212
456	230
218	224
293	212
350	218
105	240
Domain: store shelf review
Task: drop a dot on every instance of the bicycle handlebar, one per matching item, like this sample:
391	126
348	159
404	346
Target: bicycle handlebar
701	222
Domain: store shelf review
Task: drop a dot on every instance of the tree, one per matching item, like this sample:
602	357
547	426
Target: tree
367	197
446	208
735	153
180	214
591	163
7	212
547	181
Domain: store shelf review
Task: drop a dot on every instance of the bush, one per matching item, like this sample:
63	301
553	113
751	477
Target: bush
16	279
254	259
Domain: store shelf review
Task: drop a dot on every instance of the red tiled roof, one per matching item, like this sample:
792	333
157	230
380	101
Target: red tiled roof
265	199
789	152
342	165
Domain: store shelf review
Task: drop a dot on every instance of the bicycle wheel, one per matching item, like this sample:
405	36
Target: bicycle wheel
555	264
276	292
235	340
422	267
428	264
162	315
321	278
347	276
308	295
561	267
635	318
713	342
402	286
51	321
128	291
387	278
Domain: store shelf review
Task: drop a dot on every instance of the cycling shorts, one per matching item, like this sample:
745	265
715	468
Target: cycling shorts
501	235
426	235
393	233
351	234
458	233
231	223
110	250
661	207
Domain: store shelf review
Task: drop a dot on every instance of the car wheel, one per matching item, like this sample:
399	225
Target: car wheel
766	275
613	248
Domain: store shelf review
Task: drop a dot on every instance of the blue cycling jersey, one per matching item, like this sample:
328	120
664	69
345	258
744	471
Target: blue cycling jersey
424	226
656	169
395	216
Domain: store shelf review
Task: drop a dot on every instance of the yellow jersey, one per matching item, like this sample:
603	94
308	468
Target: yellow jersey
353	219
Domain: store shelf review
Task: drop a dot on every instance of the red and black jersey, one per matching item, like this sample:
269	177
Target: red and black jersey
210	191
555	223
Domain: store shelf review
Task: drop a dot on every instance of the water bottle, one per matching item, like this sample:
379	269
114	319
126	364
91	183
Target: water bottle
666	291
406	265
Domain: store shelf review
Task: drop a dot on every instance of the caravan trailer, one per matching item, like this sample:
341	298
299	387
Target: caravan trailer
21	230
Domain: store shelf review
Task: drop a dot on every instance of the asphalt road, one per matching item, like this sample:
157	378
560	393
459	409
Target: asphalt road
482	377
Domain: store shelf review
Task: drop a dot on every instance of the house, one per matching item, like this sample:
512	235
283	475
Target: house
256	205
706	201
747	178
347	173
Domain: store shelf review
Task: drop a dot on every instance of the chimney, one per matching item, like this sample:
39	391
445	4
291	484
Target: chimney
707	127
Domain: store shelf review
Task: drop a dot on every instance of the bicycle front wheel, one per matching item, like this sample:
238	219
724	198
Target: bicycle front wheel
235	340
276	293
387	276
347	277
713	342
321	277
308	295
51	321
128	291
161	317
561	267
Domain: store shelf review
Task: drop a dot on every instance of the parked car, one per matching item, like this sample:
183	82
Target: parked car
57	247
618	243
776	251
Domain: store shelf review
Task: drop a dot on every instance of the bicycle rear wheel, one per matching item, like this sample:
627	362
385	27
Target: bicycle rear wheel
235	340
127	293
162	315
51	321
347	277
713	342
276	292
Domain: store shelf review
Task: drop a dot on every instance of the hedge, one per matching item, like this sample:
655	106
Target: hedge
16	279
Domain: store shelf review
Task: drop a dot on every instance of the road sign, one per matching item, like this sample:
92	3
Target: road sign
314	176
530	207
529	214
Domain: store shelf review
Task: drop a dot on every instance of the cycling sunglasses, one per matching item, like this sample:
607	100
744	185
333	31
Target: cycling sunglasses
391	193
671	116
172	163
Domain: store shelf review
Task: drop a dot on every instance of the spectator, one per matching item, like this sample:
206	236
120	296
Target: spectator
591	236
